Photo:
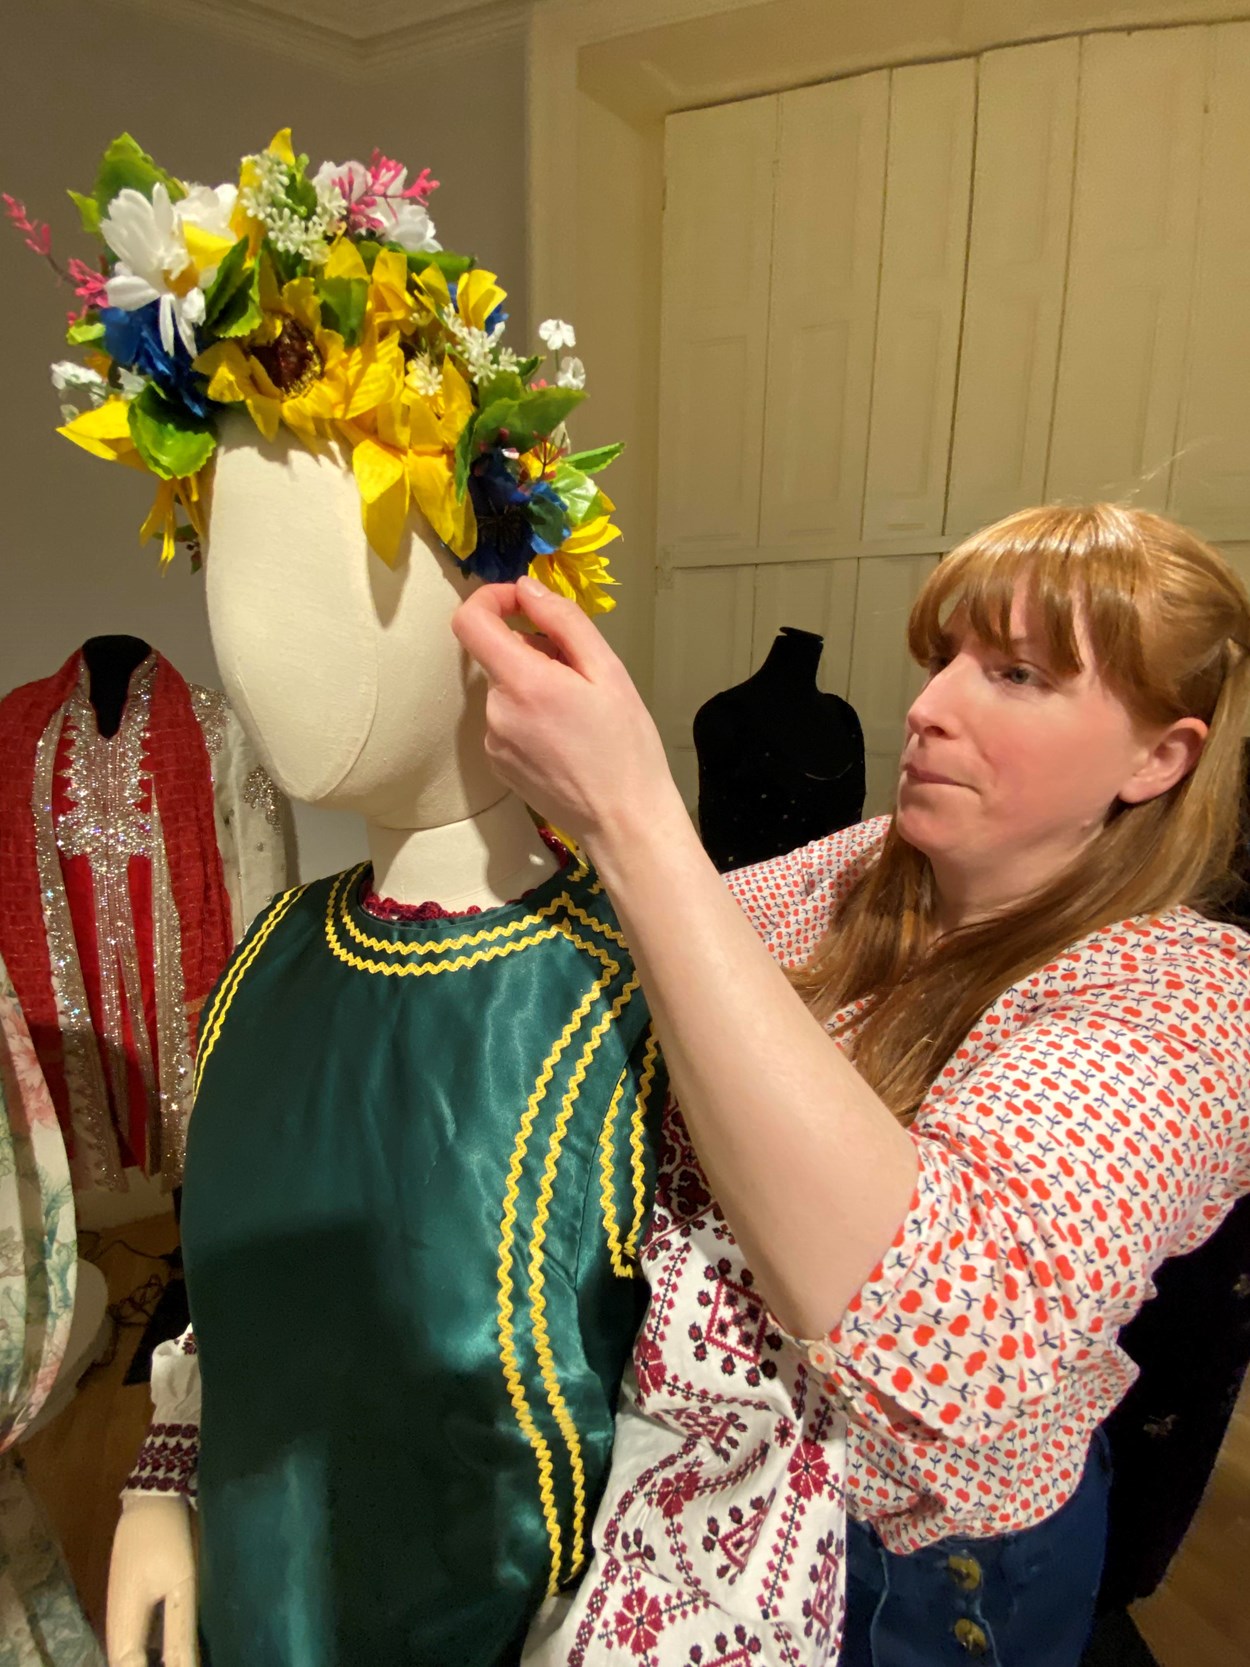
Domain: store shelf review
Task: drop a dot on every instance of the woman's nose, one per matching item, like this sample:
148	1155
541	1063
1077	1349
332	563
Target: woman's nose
933	710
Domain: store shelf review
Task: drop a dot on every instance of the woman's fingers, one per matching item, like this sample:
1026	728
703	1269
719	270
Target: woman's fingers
481	629
480	624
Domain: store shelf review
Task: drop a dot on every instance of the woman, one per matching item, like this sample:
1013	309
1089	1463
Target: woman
1041	1083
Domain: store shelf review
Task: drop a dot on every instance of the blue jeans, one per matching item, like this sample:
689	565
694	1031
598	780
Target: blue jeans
1015	1600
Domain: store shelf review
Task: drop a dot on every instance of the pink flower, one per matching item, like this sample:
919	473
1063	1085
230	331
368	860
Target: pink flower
809	1470
676	1492
89	285
639	1623
37	235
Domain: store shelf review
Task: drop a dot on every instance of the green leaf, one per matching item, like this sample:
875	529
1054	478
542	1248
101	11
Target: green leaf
527	367
451	266
88	212
538	412
242	313
578	491
169	439
286	265
369	251
491	420
301	193
591	462
81	335
231	276
464	453
127	167
505	385
343	302
547	520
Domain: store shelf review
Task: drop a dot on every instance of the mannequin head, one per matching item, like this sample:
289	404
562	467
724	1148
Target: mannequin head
343	670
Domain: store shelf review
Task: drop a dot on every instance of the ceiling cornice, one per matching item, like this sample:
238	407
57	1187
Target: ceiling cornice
356	43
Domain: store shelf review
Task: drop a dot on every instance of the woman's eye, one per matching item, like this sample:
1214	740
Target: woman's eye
1021	677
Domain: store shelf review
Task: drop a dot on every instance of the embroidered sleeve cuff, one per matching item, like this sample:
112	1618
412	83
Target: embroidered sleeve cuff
167	1462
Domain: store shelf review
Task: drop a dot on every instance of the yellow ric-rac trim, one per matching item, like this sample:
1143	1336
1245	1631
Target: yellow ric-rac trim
229	986
538	1301
607	1159
497	940
638	1142
346	884
625	1256
507	1236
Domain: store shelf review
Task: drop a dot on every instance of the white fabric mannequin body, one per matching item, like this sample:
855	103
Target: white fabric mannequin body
347	676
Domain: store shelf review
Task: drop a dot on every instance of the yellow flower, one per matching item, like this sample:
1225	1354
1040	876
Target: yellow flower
291	370
577	569
163	516
477	296
404	453
104	431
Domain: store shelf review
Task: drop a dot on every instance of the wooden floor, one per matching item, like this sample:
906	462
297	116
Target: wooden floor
1200	1617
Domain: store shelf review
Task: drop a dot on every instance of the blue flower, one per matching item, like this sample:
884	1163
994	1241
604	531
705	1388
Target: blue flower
505	538
133	339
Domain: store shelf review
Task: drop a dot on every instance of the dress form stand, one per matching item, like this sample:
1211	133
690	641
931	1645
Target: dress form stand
780	762
382	1072
110	662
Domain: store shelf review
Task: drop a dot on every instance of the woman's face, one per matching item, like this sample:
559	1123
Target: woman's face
1008	769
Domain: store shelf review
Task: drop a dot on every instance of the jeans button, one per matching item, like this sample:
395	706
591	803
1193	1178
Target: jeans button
972	1637
965	1572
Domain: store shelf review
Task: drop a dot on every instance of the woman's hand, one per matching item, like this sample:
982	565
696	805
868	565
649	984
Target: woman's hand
567	729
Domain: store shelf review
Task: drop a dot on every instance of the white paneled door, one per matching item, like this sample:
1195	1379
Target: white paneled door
928	190
1130	270
823	311
901	305
717	270
1017	260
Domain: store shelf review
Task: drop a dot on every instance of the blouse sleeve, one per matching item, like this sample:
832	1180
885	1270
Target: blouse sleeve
170	1453
1055	1176
722	1520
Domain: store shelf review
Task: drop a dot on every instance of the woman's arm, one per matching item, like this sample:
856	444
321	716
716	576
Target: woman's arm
813	1172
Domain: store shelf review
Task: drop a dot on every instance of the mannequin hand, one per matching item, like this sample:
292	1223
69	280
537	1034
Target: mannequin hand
566	728
153	1559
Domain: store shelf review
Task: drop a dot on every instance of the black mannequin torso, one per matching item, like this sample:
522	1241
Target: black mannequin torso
780	761
110	662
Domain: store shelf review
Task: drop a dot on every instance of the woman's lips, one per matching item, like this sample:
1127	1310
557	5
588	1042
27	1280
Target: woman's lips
929	777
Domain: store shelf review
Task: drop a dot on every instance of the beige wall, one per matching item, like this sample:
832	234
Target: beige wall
83	72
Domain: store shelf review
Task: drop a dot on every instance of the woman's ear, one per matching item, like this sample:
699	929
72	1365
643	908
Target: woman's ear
1172	756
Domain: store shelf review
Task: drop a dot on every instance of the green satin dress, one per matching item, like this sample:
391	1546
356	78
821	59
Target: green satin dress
418	1169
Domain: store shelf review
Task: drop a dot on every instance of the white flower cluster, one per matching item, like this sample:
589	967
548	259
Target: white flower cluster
477	347
425	376
288	231
69	377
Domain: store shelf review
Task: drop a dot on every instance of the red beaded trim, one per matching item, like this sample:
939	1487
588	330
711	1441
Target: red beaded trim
409	914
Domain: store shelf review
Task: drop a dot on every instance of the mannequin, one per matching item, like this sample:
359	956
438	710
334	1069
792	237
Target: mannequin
780	762
110	662
345	672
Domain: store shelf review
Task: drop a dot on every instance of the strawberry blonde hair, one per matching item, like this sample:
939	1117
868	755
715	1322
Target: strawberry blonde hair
1168	623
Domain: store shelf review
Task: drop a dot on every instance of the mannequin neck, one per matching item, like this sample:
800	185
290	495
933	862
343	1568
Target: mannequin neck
487	859
793	660
110	663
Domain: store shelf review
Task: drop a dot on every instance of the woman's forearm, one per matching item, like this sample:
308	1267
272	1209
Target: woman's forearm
813	1172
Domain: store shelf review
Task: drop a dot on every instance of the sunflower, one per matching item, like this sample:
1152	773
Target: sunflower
291	370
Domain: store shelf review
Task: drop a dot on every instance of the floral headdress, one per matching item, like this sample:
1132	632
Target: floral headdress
321	302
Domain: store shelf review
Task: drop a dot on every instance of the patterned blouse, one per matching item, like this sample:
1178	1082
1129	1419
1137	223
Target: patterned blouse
1095	1122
